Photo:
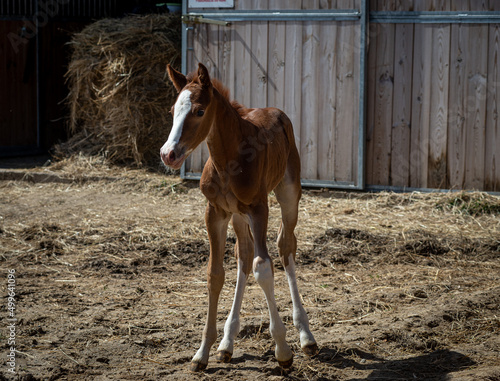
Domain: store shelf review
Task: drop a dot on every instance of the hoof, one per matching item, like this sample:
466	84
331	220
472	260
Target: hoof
197	366
311	349
223	356
286	364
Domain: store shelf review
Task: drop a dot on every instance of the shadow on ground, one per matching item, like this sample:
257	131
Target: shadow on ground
433	366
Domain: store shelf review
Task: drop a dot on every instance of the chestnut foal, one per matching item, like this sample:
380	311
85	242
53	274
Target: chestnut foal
252	152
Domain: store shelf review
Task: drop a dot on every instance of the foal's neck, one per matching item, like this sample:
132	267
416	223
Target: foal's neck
225	134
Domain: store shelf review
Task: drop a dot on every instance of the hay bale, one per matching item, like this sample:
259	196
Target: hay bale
119	95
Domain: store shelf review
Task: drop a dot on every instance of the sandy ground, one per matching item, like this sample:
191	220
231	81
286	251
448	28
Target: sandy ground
110	268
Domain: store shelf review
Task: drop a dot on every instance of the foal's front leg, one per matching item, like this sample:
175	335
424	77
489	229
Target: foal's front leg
244	256
216	220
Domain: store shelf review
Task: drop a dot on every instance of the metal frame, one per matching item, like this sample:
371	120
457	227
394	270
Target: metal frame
435	17
280	15
298	15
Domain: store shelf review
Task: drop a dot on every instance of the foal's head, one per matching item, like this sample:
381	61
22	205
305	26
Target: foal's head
191	124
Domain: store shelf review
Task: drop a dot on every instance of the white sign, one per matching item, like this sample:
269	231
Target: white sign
211	3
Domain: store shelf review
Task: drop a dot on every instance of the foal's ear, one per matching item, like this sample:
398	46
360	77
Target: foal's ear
203	76
178	79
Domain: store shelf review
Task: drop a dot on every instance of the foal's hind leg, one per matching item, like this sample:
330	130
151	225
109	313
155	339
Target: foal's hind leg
244	256
264	275
288	193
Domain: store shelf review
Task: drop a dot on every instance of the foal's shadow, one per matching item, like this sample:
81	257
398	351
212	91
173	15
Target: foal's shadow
434	366
430	366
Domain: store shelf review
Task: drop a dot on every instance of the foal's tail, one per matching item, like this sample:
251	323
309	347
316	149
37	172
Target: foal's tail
293	162
288	128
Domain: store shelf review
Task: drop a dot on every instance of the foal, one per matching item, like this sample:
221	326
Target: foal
252	152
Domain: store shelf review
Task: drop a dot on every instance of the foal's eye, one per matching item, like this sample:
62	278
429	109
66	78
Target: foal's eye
200	113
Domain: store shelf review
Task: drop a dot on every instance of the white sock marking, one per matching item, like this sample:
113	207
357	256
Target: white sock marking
232	326
264	276
300	319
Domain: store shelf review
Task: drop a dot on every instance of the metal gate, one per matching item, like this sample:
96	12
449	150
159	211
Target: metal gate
308	62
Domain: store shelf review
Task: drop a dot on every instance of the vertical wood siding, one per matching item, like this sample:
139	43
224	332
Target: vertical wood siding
433	94
308	69
433	91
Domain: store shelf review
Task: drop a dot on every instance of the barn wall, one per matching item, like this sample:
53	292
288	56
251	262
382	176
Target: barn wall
433	96
432	91
308	69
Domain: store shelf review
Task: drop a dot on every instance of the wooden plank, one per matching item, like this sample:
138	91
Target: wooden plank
419	145
346	105
439	107
346	84
456	125
327	94
401	112
371	90
293	73
439	5
309	114
382	122
356	98
327	4
392	5
492	149
276	60
242	58
494	5
476	68
226	57
457	102
402	101
259	59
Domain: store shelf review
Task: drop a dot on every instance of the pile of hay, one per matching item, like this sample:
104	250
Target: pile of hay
119	94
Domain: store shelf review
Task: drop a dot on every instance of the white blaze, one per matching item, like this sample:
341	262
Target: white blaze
181	110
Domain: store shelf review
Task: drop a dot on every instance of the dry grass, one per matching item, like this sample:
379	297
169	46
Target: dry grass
119	96
334	227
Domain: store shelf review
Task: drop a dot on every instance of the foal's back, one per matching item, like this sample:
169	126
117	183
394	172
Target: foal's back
270	142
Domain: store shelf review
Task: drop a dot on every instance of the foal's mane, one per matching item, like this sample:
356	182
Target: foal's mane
224	91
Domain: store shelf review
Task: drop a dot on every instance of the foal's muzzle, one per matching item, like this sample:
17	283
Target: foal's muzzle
173	158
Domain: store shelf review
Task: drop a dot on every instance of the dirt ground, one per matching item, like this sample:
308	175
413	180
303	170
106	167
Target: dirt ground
110	268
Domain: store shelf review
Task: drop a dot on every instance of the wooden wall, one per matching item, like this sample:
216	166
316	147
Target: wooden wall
433	99
308	69
433	91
